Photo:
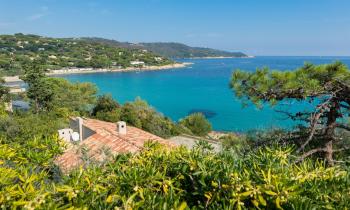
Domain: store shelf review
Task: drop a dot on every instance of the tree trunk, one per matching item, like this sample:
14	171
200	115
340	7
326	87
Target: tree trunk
329	153
330	132
36	106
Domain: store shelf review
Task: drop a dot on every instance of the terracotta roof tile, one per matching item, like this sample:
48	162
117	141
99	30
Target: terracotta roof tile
106	140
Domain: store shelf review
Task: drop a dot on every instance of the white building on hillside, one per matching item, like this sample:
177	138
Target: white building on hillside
137	63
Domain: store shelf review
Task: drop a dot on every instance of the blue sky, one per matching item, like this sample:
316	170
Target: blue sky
257	27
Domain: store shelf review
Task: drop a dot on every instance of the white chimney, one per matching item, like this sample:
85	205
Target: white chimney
65	134
121	127
80	127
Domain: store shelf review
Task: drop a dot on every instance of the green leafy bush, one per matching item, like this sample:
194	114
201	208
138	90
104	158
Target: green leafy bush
160	178
109	116
197	124
142	115
105	103
21	127
74	97
106	109
233	141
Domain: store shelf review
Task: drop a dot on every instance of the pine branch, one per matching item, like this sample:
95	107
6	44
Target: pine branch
309	153
314	121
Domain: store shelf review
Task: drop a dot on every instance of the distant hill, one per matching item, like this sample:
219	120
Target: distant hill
55	53
178	50
171	49
112	42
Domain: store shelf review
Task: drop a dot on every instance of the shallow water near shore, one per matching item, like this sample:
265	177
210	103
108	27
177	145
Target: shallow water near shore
201	87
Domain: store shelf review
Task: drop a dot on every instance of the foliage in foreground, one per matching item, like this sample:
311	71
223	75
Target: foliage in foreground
159	178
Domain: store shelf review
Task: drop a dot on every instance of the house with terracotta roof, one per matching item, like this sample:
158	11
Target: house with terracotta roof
91	139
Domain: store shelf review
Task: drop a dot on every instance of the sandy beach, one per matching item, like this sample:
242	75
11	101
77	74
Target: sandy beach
129	69
13	79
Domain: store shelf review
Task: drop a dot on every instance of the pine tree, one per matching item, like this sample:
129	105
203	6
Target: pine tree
39	90
327	86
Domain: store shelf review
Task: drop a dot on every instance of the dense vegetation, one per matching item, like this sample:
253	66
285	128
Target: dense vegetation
162	179
246	174
56	53
4	91
171	49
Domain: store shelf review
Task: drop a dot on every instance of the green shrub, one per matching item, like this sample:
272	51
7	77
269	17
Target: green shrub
75	97
20	126
159	178
233	141
110	116
197	124
139	114
105	103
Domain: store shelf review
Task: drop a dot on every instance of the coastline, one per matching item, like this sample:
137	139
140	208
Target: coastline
13	79
129	69
220	57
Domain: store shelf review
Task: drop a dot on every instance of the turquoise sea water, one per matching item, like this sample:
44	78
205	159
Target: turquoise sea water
203	87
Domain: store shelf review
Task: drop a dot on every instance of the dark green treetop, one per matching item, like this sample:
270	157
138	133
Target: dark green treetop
105	103
39	90
197	124
4	91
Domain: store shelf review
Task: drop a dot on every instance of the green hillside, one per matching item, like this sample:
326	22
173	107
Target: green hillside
178	50
170	49
56	53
